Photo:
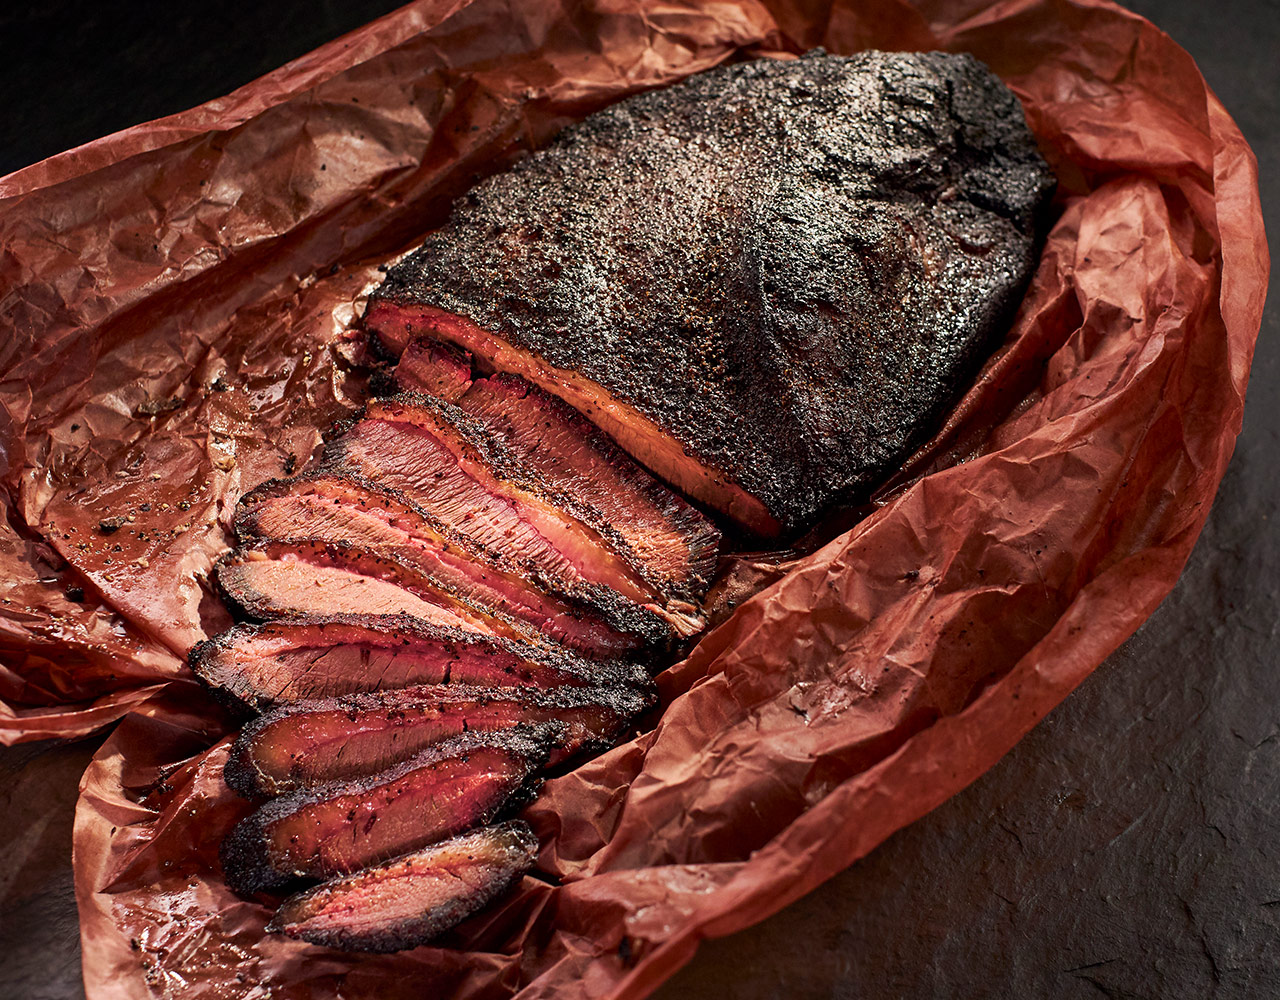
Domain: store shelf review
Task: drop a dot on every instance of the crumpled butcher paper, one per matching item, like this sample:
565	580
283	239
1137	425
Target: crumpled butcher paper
174	301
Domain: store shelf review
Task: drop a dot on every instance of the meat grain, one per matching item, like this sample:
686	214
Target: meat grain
257	667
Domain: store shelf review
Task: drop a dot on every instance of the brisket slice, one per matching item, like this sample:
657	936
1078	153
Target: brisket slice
446	462
313	742
284	662
667	541
434	367
329	506
345	826
302	578
767	283
408	901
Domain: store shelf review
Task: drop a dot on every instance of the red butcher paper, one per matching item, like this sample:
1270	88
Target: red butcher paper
180	335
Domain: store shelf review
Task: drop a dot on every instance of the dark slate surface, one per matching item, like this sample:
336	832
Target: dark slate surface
1127	848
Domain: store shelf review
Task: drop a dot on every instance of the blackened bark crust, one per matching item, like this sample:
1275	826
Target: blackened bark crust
791	267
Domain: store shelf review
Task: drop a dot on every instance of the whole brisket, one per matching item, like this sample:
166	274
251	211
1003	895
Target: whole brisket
766	283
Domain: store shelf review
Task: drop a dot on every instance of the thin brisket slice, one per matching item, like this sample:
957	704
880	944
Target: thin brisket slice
408	901
434	367
446	462
283	662
330	506
303	578
313	742
663	538
342	827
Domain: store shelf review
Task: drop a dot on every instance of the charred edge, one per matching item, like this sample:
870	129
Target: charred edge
200	660
245	853
382	383
205	656
239	772
246	864
377	349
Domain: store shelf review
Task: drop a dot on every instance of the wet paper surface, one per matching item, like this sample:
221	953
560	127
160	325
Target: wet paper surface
178	295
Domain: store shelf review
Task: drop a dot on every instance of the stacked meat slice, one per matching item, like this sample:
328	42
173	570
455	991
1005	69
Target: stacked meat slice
471	587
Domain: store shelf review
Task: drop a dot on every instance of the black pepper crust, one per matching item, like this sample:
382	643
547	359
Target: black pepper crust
792	267
511	848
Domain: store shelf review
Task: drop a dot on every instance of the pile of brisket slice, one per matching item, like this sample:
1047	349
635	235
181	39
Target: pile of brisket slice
465	592
765	285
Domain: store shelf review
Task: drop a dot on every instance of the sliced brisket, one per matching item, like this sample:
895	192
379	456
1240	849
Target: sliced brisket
342	827
446	462
313	742
408	901
361	516
284	662
301	578
434	367
766	283
671	544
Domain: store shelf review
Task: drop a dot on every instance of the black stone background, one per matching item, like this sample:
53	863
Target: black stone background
1126	848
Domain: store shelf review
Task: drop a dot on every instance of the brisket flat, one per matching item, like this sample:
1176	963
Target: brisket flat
345	826
441	564
666	540
766	283
284	662
310	743
408	901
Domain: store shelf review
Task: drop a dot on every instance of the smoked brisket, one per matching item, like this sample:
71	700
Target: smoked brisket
666	540
411	547
767	283
309	743
338	828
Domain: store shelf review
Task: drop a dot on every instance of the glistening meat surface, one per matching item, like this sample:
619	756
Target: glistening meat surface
299	578
766	283
446	462
666	540
362	516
